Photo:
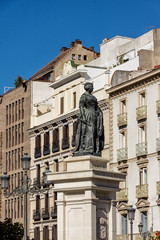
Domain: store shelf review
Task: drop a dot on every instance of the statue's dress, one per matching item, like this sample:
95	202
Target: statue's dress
86	136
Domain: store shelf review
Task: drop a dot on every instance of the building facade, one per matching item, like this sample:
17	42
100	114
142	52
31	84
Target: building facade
134	150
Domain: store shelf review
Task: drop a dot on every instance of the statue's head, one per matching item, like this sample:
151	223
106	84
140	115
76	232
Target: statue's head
88	86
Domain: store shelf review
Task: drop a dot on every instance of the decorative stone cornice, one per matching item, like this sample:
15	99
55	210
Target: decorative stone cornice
135	83
143	205
122	207
142	162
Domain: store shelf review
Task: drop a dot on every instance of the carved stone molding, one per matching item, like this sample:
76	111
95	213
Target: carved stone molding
142	162
143	205
122	207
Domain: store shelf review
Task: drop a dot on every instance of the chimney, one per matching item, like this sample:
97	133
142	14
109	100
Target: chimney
92	48
72	44
63	49
78	41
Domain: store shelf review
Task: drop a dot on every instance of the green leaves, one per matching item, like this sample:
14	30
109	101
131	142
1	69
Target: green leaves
10	231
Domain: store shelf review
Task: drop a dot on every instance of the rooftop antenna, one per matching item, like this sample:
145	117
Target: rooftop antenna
6	89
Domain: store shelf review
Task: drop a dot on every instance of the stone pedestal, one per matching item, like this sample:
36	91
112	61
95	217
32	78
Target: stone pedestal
85	193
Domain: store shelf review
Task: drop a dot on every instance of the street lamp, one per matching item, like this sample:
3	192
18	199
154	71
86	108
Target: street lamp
131	215
25	188
143	234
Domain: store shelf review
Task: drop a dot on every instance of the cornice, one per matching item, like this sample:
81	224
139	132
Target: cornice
135	83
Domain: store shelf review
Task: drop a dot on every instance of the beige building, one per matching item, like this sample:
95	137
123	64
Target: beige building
52	140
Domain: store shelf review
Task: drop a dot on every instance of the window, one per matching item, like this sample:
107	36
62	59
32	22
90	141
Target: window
16	135
144	221
19	134
142	99
19	158
15	209
123	106
124	224
15	158
61	105
12	160
22	152
18	207
12	136
37	233
9	209
79	57
9	161
85	57
46	201
5	208
73	56
37	203
56	166
74	100
15	180
6	115
9	137
16	111
6	162
21	207
9	113
55	147
38	146
19	109
143	176
142	134
18	179
122	139
45	233
22	131
22	108
6	138
12	112
54	232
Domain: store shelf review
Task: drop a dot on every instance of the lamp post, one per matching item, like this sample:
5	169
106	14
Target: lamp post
131	215
25	189
143	234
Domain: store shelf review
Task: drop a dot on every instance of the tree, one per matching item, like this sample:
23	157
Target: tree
18	81
10	231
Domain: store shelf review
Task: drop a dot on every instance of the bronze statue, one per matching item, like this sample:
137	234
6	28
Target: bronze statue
90	130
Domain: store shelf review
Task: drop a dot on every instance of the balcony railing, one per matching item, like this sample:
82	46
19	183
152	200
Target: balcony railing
37	182
73	140
122	195
142	191
55	146
46	149
36	215
122	237
54	212
158	107
158	188
122	154
65	143
158	144
37	152
141	149
122	119
45	213
141	113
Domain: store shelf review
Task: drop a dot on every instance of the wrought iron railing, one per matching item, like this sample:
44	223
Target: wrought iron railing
142	191
65	143
122	195
45	213
54	212
55	146
37	152
122	154
122	119
36	215
141	149
141	113
46	149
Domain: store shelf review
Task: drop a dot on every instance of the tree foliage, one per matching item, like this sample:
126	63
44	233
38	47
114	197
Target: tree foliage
18	81
10	231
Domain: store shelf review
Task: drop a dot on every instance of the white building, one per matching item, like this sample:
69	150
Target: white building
134	150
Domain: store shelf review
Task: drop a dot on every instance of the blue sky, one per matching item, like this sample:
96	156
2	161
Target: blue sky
33	31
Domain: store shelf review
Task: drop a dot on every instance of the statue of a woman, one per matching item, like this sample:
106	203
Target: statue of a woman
90	130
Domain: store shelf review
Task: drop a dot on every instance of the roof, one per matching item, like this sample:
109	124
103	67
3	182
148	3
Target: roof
57	59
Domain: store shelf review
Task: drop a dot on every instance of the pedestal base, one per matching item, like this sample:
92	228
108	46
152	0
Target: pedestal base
85	192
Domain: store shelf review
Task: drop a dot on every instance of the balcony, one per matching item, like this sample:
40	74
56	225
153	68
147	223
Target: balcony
46	149
158	107
122	154
142	191
73	140
37	182
158	144
65	143
36	215
122	119
37	152
141	113
158	188
54	212
45	213
122	237
55	146
141	149
122	195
